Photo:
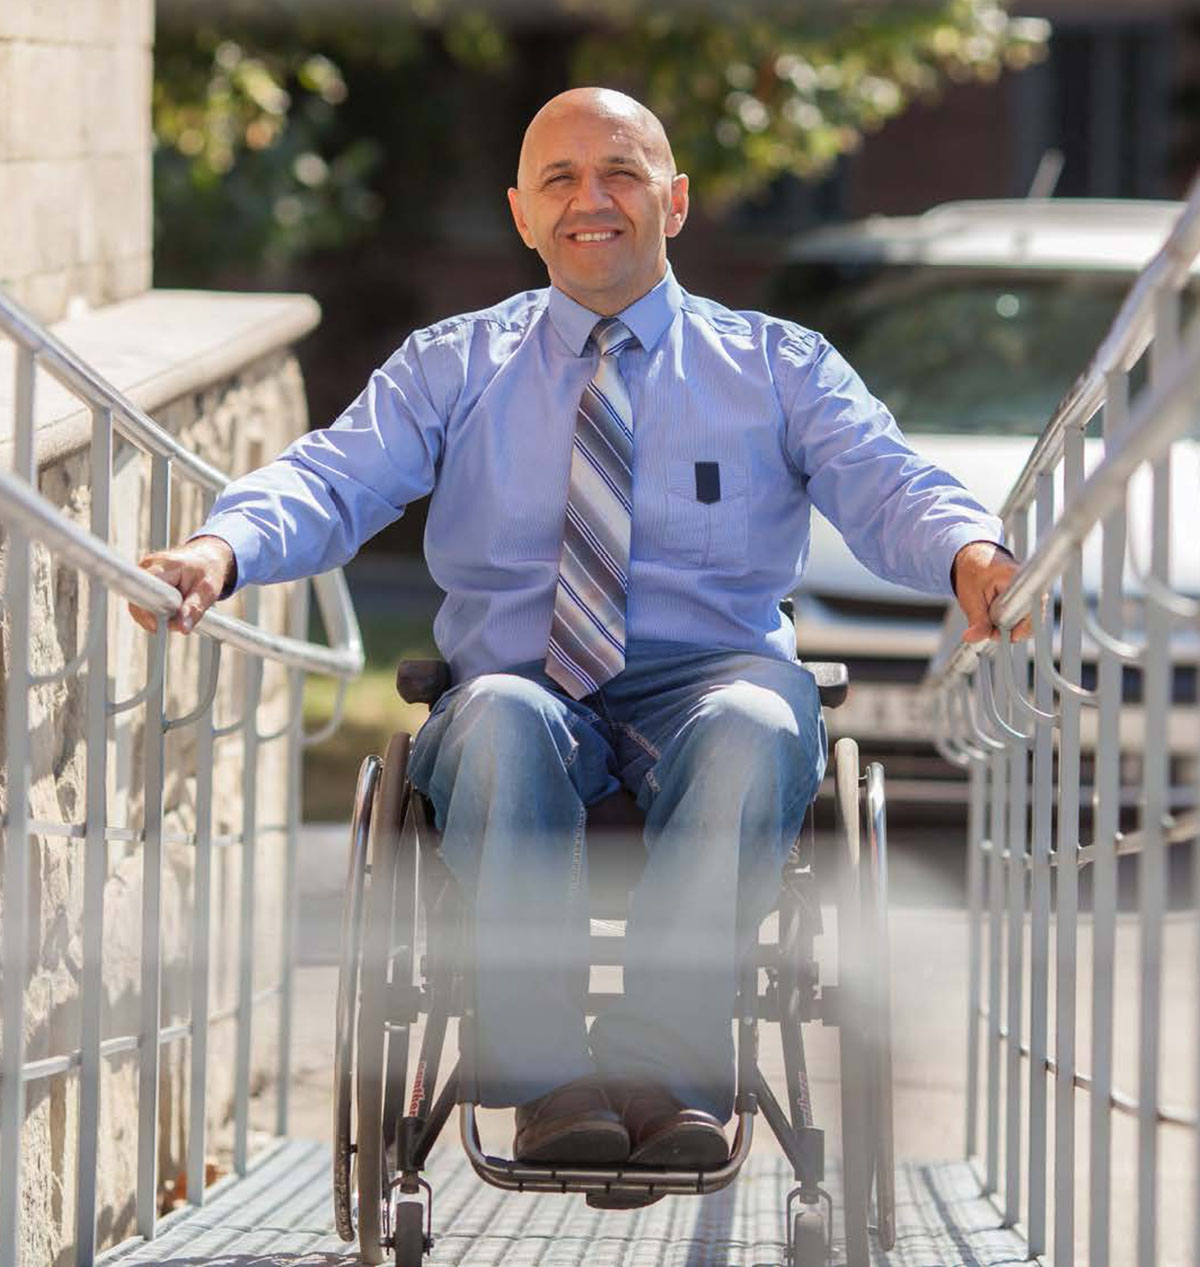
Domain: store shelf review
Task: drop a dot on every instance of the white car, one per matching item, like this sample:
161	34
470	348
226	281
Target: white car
970	322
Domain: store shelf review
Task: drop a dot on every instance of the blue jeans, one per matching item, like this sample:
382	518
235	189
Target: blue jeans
724	751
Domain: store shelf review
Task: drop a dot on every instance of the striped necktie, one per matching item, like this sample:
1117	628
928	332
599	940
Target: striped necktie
587	630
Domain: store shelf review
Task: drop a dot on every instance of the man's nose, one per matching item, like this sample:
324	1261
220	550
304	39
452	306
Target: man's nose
591	194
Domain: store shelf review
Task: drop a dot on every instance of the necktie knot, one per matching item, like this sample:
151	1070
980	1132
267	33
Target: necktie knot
612	336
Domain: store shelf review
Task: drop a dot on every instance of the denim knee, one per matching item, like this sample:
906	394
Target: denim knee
757	740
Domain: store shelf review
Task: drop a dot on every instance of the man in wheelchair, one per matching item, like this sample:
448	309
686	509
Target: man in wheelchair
621	478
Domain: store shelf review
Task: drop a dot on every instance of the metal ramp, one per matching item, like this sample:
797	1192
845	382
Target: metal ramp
280	1215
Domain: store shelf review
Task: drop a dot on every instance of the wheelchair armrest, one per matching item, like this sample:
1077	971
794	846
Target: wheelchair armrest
422	681
833	681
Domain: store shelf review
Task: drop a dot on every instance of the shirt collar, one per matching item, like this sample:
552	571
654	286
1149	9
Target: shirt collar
647	317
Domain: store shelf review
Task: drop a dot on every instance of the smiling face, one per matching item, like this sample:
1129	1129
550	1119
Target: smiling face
597	197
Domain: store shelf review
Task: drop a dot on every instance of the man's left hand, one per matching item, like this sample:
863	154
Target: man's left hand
982	572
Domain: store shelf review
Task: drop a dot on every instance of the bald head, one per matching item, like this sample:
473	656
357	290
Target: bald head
578	106
597	196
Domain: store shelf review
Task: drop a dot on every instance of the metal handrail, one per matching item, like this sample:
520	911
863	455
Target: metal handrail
29	519
1026	773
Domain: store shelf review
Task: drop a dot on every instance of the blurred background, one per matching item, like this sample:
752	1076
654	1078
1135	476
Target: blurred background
360	151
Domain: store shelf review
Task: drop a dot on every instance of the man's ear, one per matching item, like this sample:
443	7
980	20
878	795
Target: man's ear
514	203
679	205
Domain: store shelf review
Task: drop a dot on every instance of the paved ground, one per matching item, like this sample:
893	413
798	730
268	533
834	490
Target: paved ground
279	1217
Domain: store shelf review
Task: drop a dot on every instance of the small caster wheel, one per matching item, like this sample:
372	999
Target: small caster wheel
809	1248
409	1237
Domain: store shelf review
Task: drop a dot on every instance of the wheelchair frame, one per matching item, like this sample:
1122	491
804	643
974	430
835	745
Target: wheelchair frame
396	875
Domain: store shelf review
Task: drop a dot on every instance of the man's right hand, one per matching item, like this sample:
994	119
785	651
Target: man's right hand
198	570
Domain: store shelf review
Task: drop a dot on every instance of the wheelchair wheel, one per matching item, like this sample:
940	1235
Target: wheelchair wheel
347	999
864	1013
808	1239
387	958
410	1234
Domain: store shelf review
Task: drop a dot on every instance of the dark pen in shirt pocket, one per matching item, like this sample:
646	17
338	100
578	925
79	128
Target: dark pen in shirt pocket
708	482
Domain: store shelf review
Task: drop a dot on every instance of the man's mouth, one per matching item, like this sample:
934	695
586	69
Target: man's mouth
594	235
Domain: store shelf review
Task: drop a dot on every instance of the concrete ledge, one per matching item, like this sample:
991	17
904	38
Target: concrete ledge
154	349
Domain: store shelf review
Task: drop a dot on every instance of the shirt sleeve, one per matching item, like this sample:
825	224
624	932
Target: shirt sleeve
903	517
329	491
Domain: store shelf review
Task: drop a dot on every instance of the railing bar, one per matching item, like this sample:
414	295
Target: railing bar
241	1101
152	865
1067	862
298	623
1018	782
997	832
1176	830
1152	874
1163	414
95	856
201	939
1120	1100
49	1067
1129	652
120	1045
81	380
1105	829
206	693
173	1033
15	936
152	687
1039	956
72	666
335	720
976	800
43	522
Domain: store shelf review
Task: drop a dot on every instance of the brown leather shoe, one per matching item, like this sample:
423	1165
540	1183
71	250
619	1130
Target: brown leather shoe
572	1125
663	1131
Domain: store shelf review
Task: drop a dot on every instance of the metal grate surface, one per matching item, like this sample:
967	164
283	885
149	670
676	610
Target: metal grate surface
280	1216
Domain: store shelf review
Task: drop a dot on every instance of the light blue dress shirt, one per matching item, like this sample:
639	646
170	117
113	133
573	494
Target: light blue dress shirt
480	410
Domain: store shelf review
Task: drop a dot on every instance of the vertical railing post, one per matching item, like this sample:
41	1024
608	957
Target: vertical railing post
18	918
977	808
298	623
1018	793
1039	904
155	737
95	854
245	999
1105	825
201	936
1067	879
1152	863
998	820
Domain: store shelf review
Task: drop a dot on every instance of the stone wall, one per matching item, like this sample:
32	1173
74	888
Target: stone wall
235	423
75	147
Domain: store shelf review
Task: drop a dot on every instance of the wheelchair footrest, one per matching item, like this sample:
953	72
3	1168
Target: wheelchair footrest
523	1177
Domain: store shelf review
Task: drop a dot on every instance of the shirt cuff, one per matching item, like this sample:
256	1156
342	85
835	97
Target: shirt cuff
242	539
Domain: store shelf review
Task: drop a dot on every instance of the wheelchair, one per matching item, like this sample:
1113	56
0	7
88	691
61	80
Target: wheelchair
406	952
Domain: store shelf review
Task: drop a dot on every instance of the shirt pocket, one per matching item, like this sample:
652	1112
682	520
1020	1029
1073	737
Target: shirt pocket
707	533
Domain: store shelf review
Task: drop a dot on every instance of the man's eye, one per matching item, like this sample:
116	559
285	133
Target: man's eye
557	180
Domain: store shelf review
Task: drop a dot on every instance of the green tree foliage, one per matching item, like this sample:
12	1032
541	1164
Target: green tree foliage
261	157
747	95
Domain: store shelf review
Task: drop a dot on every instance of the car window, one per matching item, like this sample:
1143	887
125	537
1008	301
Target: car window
958	351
